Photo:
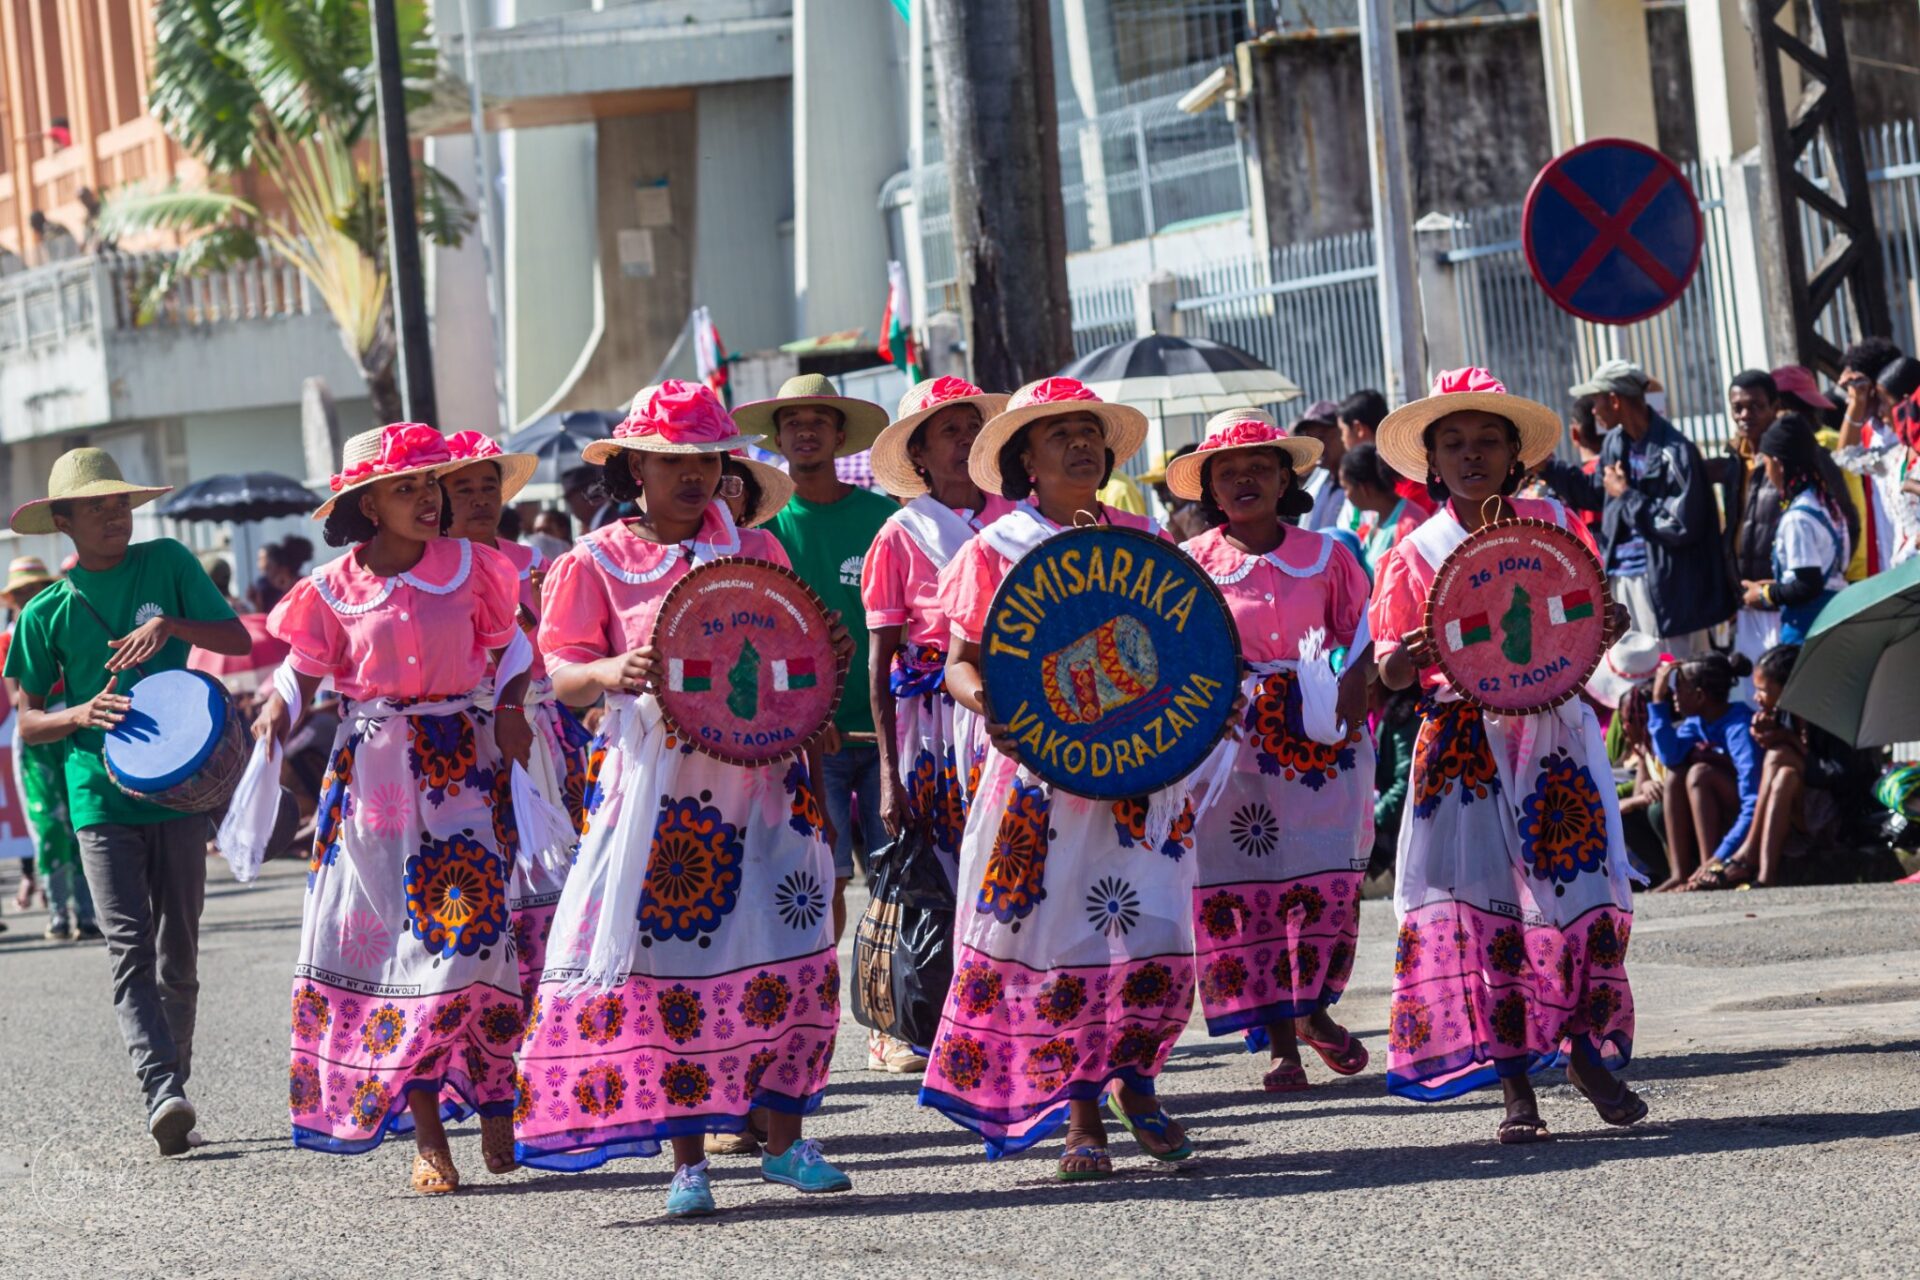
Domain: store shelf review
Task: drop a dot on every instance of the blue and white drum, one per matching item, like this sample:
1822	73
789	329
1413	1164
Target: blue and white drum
181	745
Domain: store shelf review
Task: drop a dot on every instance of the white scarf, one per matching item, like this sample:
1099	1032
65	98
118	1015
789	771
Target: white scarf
938	529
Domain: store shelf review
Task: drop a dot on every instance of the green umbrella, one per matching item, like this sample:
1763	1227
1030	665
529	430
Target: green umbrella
1858	676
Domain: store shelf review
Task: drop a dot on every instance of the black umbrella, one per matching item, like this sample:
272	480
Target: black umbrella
255	495
557	439
1180	375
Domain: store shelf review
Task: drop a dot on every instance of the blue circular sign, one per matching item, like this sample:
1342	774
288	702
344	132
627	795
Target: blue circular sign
1612	231
1111	658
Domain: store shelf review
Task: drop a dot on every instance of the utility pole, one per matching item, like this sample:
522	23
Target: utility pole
415	358
1400	325
993	67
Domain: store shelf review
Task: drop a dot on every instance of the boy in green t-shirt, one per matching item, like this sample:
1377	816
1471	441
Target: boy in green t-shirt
826	529
122	613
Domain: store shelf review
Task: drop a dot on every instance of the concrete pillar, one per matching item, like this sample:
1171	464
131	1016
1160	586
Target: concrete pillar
1599	73
1433	236
946	353
1726	102
1090	65
1153	300
844	150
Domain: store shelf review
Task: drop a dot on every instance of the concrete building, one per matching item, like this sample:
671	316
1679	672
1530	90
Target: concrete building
210	384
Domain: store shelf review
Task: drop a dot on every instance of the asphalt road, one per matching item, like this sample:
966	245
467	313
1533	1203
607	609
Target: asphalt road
1776	1046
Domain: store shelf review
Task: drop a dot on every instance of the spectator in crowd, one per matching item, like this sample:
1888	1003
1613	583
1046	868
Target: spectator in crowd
826	529
1321	422
1184	519
52	242
1705	740
580	490
1385	516
1873	446
1807	562
91	241
1658	534
220	571
552	535
281	564
1360	415
1640	781
1800	393
1396	727
1806	777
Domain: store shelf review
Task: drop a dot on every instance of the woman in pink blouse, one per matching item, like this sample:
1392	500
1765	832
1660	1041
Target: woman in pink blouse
485	480
405	988
921	459
1286	823
1073	957
1513	931
690	977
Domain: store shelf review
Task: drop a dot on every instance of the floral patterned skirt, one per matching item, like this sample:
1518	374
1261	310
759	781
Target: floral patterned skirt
406	976
1283	847
733	993
533	892
1514	906
925	747
1073	968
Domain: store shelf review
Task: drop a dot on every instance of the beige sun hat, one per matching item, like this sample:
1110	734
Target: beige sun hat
1633	660
1235	429
1460	391
469	447
776	489
24	572
79	473
863	419
891	465
1126	426
386	453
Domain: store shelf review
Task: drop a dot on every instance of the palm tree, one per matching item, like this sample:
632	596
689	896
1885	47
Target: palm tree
285	89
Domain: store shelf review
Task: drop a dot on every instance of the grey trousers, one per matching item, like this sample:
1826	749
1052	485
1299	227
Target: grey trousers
149	883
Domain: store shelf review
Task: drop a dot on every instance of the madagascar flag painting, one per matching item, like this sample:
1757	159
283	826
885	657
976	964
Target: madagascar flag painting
688	675
1571	607
1470	630
793	673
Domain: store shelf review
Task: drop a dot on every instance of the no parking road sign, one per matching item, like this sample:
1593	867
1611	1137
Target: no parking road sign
1612	231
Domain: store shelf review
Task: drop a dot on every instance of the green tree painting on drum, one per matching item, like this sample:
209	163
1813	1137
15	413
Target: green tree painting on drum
1517	625
743	683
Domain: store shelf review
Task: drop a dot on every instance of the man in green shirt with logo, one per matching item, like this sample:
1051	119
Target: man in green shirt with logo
826	529
125	612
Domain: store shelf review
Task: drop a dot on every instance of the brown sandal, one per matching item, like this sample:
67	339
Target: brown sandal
434	1174
496	1144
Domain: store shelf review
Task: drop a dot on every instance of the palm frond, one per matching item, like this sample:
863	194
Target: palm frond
445	215
217	250
129	211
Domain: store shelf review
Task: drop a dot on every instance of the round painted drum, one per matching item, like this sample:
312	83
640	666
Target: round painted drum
1518	615
1112	659
181	744
748	673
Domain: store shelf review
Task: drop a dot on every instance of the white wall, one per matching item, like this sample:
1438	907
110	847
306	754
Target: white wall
742	265
551	238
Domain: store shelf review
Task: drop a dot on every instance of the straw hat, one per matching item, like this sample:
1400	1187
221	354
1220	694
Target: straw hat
1462	391
1234	430
26	571
1126	427
79	473
891	465
469	447
1633	660
678	417
863	419
386	453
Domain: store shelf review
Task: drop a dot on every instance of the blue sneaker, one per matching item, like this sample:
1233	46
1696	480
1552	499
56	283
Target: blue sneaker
804	1169
689	1196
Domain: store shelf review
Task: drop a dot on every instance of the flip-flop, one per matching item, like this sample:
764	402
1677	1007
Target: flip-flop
1625	1107
1156	1124
1285	1077
1064	1174
1522	1131
1348	1058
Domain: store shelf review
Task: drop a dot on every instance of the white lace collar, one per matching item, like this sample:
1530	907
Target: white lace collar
346	568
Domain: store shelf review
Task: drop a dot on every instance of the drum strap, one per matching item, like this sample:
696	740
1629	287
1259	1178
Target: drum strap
88	606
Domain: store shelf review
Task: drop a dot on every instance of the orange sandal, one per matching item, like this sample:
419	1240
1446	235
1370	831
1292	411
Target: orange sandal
434	1174
496	1144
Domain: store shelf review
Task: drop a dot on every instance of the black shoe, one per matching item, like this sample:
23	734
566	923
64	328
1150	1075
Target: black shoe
88	933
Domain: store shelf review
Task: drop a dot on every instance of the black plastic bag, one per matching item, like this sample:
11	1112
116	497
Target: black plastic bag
903	947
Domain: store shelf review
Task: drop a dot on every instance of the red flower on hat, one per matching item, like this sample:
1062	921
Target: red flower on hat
1245	431
472	446
1055	391
403	447
946	388
1455	381
679	412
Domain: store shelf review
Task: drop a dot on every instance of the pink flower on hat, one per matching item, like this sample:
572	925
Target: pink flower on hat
472	446
404	446
943	389
1455	381
679	412
1242	432
1052	391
